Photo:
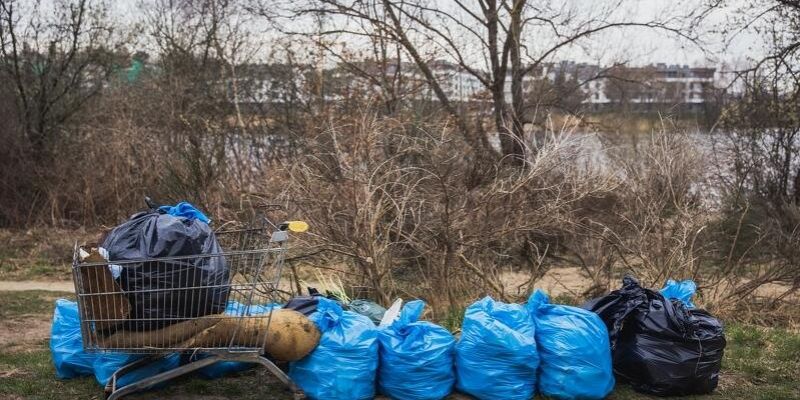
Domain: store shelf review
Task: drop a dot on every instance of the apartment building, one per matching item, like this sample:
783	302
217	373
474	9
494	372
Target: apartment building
594	87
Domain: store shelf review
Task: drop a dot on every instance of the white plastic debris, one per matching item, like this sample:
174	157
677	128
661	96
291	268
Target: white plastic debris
392	313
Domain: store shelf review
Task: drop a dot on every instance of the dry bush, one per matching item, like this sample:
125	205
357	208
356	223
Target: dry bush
399	203
660	214
670	217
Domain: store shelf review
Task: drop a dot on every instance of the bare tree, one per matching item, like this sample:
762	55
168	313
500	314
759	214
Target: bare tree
758	154
512	38
56	62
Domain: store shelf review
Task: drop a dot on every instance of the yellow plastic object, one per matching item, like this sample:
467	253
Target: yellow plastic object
298	226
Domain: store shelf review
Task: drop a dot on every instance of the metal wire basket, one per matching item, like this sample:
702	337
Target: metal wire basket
117	320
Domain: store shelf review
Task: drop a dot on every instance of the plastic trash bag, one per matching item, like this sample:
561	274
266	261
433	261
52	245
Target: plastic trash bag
392	313
371	309
416	357
343	365
105	364
186	210
496	357
658	345
305	305
155	302
574	352
66	344
237	309
222	368
683	291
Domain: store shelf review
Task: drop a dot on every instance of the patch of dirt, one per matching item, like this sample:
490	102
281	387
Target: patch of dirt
51	286
13	373
729	380
557	281
773	289
24	333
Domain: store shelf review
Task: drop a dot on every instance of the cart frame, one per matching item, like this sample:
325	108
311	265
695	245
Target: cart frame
253	281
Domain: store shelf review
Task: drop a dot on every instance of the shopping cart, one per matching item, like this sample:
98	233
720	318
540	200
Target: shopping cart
254	258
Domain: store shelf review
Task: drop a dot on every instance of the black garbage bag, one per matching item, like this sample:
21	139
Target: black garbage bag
658	345
368	308
305	305
168	291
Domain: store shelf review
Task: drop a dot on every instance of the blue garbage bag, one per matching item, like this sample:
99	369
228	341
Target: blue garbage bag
237	309
186	210
66	344
496	357
222	368
574	351
105	364
344	364
416	357
683	291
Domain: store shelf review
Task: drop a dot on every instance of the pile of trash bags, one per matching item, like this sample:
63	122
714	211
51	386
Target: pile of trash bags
70	360
657	341
661	345
512	351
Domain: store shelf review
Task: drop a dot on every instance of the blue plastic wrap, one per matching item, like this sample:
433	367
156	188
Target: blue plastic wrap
186	210
574	351
343	365
416	357
105	364
66	345
496	357
222	368
71	361
683	291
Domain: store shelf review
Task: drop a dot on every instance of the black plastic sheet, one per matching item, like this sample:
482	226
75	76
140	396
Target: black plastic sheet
659	346
164	292
305	305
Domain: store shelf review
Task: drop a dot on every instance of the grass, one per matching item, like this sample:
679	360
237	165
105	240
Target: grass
39	253
760	363
16	304
12	269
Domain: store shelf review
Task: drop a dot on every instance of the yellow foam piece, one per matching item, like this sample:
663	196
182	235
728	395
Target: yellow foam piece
298	226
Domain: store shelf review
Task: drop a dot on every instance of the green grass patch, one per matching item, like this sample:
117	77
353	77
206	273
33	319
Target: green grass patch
22	270
15	304
39	253
31	375
453	320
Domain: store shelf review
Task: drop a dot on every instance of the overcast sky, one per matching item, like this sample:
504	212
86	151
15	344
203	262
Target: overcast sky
637	46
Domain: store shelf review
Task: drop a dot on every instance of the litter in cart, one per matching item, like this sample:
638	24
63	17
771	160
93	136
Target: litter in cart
214	305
